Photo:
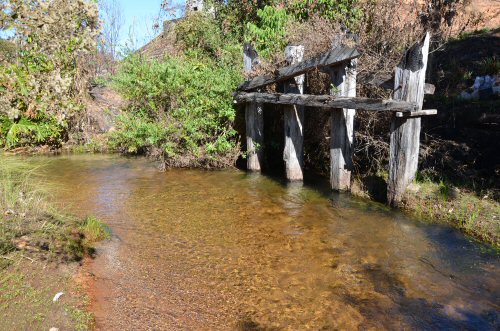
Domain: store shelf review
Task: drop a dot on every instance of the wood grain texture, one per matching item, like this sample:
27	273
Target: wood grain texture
330	58
418	113
342	127
409	85
254	119
327	101
293	153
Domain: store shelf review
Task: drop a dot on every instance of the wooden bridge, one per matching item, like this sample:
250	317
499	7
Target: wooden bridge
340	63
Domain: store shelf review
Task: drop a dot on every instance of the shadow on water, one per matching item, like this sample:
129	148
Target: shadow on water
230	249
418	313
453	254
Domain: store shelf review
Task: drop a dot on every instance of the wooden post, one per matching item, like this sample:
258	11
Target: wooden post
409	86
254	118
342	127
294	121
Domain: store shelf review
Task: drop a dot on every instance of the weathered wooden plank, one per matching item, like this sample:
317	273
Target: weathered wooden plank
330	58
254	119
293	153
326	101
418	113
405	132
342	127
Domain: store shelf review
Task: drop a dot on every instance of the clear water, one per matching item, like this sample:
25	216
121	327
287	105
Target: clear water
228	250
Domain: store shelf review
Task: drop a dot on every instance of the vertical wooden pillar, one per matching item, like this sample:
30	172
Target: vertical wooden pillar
342	127
405	132
294	121
254	118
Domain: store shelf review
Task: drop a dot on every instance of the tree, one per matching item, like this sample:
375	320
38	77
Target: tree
112	15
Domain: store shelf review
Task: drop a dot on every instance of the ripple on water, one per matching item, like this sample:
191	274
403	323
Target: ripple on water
223	250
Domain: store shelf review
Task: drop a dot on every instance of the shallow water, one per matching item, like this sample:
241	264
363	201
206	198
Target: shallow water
229	250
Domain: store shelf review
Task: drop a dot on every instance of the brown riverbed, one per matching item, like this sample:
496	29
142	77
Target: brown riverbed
227	250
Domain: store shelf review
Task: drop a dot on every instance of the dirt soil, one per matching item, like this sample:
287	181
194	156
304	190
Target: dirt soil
27	290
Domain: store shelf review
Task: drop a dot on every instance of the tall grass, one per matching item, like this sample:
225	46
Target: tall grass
29	223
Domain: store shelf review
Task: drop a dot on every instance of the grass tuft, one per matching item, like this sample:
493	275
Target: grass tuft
95	230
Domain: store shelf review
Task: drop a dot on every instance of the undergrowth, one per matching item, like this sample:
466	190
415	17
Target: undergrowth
30	226
476	216
181	108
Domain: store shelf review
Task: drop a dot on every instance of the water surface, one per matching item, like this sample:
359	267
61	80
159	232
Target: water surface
228	250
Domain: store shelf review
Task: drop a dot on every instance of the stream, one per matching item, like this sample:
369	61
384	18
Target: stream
228	250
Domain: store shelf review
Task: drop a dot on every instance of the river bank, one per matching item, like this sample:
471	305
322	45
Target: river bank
42	250
478	216
230	250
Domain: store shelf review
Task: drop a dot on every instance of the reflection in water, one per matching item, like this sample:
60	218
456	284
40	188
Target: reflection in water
229	250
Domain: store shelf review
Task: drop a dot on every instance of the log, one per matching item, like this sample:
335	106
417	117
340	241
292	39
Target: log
342	127
419	113
254	118
330	58
409	85
293	154
327	101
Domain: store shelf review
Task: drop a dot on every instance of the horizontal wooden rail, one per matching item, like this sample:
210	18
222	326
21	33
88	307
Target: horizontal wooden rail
330	58
418	113
327	101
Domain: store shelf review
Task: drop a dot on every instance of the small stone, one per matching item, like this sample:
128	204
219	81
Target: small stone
53	329
9	212
57	296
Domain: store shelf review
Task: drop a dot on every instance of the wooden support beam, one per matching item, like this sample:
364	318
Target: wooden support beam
342	127
419	113
254	118
293	154
327	101
409	85
330	58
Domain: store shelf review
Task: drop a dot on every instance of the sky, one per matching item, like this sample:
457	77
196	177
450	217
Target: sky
139	17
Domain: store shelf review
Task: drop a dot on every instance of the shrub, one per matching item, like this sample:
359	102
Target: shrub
40	92
346	12
181	108
268	35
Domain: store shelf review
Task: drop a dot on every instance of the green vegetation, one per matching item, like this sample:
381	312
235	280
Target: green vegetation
181	107
29	224
347	12
475	216
268	35
95	230
35	239
41	91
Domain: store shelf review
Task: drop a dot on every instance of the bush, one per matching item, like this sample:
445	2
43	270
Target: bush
41	90
181	108
268	35
29	223
346	12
